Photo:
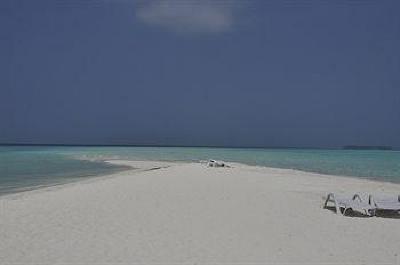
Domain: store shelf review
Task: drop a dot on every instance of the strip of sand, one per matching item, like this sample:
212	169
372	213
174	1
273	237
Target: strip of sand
170	213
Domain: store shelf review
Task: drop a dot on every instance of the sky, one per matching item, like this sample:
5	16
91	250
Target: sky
200	72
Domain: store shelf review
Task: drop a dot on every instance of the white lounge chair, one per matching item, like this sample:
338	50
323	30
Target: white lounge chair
386	204
355	204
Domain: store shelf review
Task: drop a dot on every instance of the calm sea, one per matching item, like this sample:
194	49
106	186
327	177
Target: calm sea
29	167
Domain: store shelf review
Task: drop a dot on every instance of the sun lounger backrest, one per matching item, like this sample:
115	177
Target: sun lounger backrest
385	203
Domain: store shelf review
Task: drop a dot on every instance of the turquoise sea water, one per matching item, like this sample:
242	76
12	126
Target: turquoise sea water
27	167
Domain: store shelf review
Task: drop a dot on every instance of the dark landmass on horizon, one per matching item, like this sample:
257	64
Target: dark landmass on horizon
367	147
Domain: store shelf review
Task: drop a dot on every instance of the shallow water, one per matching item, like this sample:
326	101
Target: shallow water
25	167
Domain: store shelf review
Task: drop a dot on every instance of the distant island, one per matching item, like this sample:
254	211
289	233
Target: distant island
366	147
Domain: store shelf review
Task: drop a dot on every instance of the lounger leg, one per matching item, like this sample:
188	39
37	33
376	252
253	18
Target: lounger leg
344	211
331	197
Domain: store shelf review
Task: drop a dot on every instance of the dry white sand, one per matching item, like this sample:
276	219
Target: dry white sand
191	214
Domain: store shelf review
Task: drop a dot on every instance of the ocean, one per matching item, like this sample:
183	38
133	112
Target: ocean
30	167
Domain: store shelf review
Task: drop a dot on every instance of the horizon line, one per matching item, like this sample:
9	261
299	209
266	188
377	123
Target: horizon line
193	146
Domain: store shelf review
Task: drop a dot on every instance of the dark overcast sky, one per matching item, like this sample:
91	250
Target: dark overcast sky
175	72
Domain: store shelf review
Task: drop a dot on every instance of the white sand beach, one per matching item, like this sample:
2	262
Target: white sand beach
186	213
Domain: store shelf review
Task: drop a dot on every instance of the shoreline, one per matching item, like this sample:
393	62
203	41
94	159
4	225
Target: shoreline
126	163
66	181
75	181
295	173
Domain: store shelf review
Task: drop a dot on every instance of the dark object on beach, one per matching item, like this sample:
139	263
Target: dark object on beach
367	147
214	163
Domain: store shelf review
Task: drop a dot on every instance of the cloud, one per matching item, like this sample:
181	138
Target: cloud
193	16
